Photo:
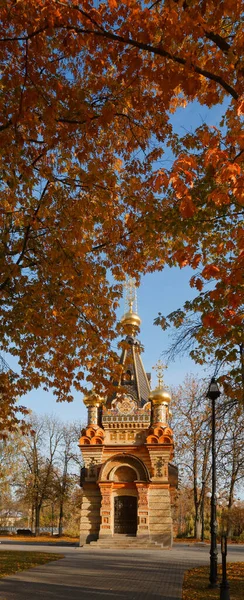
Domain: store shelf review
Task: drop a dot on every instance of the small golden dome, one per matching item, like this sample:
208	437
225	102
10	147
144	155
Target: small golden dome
160	396
131	320
93	400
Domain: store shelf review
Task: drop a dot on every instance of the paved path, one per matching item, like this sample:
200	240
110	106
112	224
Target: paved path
86	574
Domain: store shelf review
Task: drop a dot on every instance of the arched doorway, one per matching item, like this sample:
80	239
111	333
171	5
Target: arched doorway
123	481
125	507
125	515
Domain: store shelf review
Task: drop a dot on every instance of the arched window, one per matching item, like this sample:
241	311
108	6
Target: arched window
127	377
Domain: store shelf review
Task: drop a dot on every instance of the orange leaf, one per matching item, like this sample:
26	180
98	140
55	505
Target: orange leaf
210	271
187	208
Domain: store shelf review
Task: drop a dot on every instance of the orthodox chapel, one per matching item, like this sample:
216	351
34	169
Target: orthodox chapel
128	478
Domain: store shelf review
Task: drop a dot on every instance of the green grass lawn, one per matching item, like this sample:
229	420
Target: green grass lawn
196	581
12	561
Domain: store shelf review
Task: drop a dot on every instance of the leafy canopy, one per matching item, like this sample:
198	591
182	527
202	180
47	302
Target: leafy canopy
87	90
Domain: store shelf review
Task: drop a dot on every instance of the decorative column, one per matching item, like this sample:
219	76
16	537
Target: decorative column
160	412
106	512
93	404
160	399
90	513
142	511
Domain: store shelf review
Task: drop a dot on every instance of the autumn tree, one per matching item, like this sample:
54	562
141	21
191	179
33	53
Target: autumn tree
192	431
10	451
232	520
67	469
37	474
87	92
231	459
72	512
191	424
40	472
12	418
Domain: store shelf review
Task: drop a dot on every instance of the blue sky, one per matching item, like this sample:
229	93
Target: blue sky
159	292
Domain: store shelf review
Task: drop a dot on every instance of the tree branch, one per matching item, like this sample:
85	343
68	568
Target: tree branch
218	40
26	238
160	52
101	32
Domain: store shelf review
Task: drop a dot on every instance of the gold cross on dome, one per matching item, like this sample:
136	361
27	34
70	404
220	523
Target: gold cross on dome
130	294
160	368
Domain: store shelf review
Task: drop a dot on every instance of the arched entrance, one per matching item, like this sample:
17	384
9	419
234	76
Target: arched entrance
125	506
123	483
125	515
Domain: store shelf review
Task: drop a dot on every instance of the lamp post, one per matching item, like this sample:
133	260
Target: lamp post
203	498
213	394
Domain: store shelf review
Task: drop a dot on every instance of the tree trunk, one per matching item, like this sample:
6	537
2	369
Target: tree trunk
197	521
32	517
231	491
60	520
37	520
229	507
197	527
242	368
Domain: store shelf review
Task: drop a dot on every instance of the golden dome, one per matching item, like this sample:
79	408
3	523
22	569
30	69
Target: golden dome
131	320
93	399
159	396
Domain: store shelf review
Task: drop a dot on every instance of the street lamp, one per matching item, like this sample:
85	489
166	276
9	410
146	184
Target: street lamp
213	394
203	498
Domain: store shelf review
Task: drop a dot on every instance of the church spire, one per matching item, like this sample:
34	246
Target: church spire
130	321
130	294
134	379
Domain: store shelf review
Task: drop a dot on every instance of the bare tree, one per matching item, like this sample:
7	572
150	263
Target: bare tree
39	454
68	458
231	456
40	471
192	429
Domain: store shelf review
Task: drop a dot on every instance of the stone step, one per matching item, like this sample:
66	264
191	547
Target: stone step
118	543
131	548
97	546
123	536
123	542
115	544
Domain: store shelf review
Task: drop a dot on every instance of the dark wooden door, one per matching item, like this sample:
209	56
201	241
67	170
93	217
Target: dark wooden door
125	514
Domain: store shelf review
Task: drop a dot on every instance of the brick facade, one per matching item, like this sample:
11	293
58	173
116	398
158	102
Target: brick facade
127	451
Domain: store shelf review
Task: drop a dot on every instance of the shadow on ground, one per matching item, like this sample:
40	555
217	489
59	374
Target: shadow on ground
97	577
